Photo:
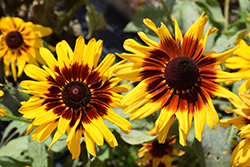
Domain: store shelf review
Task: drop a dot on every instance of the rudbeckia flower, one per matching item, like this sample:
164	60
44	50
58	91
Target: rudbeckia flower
19	44
176	76
73	95
242	62
3	112
241	154
157	154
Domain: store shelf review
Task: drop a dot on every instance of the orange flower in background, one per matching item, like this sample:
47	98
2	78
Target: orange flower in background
159	154
73	95
242	62
241	154
176	76
19	44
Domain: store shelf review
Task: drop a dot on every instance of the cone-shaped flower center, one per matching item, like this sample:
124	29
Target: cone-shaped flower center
159	150
14	39
76	94
181	72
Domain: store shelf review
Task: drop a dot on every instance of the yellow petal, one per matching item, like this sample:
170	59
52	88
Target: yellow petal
96	135
42	31
148	41
64	52
35	72
78	51
108	136
90	144
146	110
48	57
178	34
56	136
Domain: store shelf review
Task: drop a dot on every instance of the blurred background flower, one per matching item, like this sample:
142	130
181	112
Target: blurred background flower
19	44
241	154
159	154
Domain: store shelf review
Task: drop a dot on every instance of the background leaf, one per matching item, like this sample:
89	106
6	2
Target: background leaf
38	153
137	137
16	149
215	148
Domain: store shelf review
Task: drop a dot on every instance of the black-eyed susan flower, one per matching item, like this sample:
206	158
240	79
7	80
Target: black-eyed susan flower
72	95
241	154
177	77
159	154
3	112
242	62
19	44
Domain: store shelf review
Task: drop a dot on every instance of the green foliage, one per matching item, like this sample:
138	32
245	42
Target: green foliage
95	20
38	154
15	152
137	137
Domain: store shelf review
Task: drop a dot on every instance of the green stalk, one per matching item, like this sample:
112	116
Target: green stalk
72	11
226	14
18	119
167	14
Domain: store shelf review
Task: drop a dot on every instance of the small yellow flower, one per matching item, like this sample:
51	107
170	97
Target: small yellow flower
19	44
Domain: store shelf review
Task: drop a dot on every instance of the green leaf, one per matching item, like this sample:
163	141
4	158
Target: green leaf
137	137
224	43
170	5
38	153
16	149
214	9
95	20
215	148
20	128
8	113
186	13
7	161
21	96
59	146
156	14
10	101
244	4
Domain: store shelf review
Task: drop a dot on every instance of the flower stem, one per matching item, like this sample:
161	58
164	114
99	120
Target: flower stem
18	119
66	19
226	14
167	14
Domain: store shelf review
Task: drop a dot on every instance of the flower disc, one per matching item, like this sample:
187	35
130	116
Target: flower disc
181	72
14	39
76	94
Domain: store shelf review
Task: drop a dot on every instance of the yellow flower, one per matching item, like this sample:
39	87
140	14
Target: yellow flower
3	112
19	43
241	154
73	94
157	154
177	77
242	62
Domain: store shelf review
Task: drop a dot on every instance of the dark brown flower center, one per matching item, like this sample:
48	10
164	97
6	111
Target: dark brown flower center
159	150
181	72
76	94
14	39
